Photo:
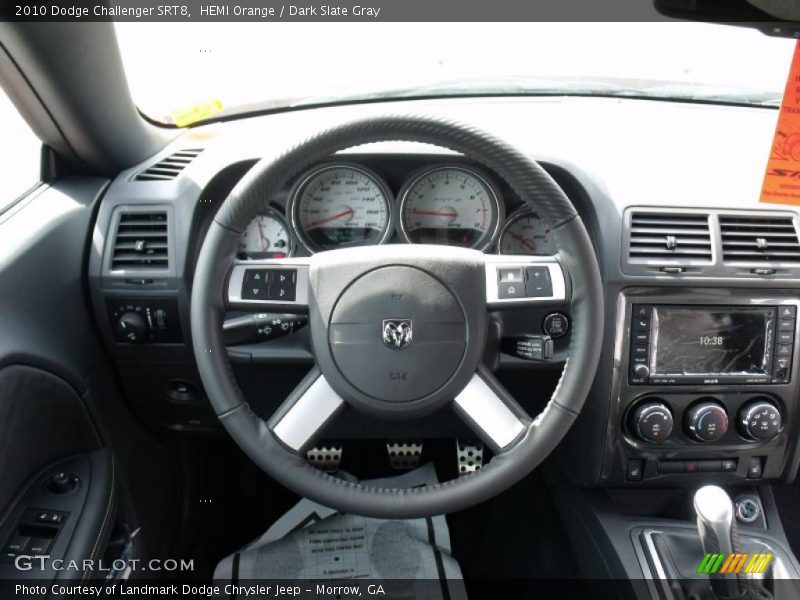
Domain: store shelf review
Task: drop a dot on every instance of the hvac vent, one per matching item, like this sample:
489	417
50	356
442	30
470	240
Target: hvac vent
169	167
759	239
141	241
669	237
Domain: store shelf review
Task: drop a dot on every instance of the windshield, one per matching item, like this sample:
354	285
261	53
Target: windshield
252	66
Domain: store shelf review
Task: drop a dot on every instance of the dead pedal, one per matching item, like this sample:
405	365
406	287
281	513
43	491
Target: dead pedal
404	456
326	457
469	456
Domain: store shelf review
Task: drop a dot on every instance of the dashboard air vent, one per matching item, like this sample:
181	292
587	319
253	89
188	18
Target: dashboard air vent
672	238
169	167
141	241
759	239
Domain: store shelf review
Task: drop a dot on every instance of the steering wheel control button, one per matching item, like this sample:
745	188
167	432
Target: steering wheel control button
397	334
510	274
538	284
511	289
282	285
255	284
652	421
528	347
635	470
760	420
556	325
706	421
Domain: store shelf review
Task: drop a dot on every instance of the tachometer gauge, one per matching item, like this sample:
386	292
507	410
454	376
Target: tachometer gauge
341	205
526	233
267	236
452	205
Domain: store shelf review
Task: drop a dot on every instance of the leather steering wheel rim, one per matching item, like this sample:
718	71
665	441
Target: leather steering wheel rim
541	435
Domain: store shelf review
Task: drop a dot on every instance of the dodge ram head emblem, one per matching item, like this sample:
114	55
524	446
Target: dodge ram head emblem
397	333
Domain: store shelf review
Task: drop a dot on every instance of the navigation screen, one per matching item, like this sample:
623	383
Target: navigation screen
710	341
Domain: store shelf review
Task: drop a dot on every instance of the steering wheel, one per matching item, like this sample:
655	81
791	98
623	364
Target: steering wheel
397	331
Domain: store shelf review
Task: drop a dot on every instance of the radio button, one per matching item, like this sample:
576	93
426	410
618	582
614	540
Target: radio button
640	371
642	311
641	324
640	351
784	350
707	421
785	337
787	312
786	325
641	339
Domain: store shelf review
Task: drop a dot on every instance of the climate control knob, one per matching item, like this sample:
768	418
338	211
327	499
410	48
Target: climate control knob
652	421
132	326
706	421
760	420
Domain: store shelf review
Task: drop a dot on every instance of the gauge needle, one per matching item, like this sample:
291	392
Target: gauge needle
432	213
261	236
523	241
311	226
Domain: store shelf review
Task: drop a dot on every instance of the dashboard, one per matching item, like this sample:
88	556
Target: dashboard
364	202
693	267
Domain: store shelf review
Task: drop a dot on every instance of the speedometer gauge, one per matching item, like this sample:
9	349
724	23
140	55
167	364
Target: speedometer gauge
526	233
451	205
265	237
341	205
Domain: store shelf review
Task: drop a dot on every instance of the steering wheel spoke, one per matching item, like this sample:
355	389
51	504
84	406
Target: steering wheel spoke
302	417
491	412
269	285
512	281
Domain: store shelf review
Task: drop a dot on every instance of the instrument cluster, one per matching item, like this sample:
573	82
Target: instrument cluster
343	204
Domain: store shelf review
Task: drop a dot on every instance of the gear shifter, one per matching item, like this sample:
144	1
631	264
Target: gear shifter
715	524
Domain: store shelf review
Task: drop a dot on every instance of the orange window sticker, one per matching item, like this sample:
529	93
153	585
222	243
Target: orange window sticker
782	179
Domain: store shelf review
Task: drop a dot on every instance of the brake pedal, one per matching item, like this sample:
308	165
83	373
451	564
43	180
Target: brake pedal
404	456
326	457
469	456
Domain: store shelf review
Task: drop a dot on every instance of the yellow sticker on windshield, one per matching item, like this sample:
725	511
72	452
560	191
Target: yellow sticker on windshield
782	179
184	116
